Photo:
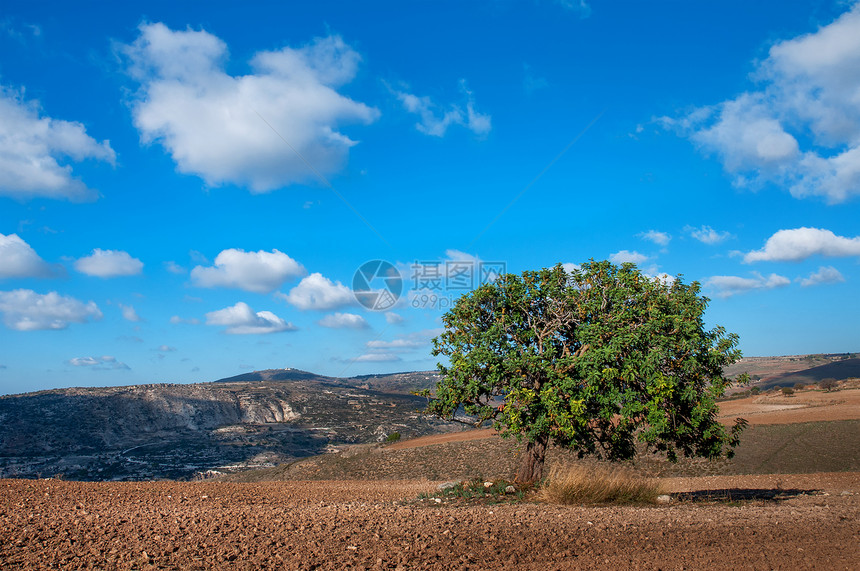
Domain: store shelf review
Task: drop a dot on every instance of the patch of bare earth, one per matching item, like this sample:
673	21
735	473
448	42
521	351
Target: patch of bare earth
49	524
802	406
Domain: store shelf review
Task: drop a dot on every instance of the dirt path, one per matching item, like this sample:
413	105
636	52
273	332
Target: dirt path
360	525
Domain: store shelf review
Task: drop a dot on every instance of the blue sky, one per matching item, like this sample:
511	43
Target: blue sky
187	190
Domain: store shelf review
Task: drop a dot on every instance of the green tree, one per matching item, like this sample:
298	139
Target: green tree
592	360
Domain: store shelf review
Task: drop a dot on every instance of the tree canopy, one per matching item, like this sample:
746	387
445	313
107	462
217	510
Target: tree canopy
593	360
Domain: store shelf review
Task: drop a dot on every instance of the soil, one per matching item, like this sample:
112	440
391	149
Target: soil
725	520
810	523
803	406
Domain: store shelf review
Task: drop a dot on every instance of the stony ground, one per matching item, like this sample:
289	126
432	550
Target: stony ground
48	524
741	516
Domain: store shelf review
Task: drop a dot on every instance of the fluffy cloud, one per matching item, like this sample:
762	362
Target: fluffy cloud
258	272
801	129
318	292
801	243
659	238
105	363
707	235
344	321
128	313
625	256
19	260
34	151
727	286
824	275
174	268
377	358
240	319
26	310
392	318
109	264
570	267
214	124
435	119
402	344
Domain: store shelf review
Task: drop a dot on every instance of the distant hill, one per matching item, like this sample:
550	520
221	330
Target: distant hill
839	370
768	372
175	431
287	374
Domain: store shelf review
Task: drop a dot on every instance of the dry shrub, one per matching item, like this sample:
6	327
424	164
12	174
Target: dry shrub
597	484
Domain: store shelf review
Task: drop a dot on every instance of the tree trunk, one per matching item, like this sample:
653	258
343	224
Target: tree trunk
531	465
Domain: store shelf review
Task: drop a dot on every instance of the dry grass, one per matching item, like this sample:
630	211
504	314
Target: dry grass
595	484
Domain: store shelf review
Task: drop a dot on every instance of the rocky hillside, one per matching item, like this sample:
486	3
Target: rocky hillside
177	431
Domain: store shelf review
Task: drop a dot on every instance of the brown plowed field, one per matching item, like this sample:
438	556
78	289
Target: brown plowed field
802	406
49	524
760	521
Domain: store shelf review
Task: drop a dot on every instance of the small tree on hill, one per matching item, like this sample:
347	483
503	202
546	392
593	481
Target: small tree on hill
592	360
828	384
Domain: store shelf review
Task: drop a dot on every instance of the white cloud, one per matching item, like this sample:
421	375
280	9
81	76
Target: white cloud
801	243
176	320
128	313
435	119
35	151
377	358
707	235
105	363
727	286
258	272
208	120
109	264
659	238
824	275
240	319
26	310
344	321
625	256
392	318
570	267
174	268
19	260
166	349
402	344
801	129
318	292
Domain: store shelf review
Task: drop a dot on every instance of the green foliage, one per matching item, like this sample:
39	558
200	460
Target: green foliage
593	360
755	390
787	391
393	437
477	489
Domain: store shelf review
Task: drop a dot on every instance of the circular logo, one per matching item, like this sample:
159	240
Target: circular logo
377	285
